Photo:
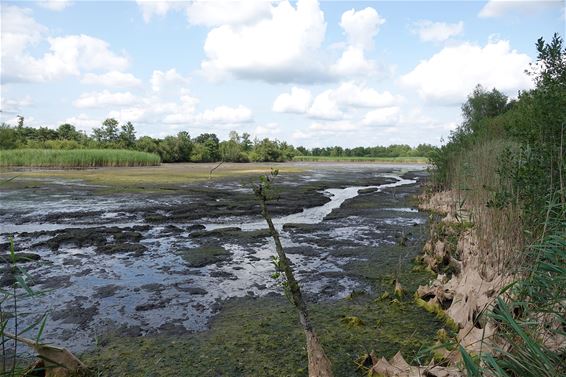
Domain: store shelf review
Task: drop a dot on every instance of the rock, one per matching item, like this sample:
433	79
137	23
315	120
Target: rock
203	256
192	228
111	249
368	190
215	232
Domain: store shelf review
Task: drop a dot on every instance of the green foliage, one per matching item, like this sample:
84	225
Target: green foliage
76	158
204	148
527	191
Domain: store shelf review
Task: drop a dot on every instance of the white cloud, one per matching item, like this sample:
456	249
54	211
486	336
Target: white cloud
358	95
451	74
54	5
361	26
387	116
154	110
225	115
353	63
19	30
216	13
333	104
104	99
83	122
168	80
298	101
334	127
112	79
11	106
430	31
499	8
281	48
150	8
67	55
325	106
266	130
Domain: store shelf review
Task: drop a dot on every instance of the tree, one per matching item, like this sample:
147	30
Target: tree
319	364
480	105
127	135
8	137
211	143
246	142
67	131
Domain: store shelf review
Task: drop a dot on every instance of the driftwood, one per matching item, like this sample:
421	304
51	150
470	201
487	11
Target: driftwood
213	169
57	361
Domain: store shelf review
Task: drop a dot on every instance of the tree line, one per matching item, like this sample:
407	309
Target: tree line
182	147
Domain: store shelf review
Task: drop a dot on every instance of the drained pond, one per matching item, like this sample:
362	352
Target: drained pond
176	279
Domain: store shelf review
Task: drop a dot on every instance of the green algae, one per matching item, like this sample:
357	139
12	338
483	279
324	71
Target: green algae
261	337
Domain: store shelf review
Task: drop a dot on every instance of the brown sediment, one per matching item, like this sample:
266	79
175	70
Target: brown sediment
468	281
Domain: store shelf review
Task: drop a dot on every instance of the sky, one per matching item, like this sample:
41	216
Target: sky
312	73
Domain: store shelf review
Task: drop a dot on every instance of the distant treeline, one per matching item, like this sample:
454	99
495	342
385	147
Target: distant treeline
182	147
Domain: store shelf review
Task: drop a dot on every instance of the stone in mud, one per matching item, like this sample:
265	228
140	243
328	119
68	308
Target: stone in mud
192	228
300	227
7	277
196	291
368	190
84	272
75	313
302	250
54	282
76	236
19	258
153	287
127	236
223	274
152	305
111	249
203	256
106	291
216	232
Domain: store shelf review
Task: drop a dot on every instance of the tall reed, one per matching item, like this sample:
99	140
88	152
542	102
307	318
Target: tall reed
76	158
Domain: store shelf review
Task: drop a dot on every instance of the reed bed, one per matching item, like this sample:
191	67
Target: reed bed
474	175
76	158
414	160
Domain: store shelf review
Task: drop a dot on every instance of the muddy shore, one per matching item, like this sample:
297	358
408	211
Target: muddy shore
168	263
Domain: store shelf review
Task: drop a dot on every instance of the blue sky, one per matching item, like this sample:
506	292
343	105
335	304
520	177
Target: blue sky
311	73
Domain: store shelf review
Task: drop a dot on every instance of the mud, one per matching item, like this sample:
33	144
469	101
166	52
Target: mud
153	263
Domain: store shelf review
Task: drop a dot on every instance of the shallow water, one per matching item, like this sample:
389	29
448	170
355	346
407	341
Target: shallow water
89	293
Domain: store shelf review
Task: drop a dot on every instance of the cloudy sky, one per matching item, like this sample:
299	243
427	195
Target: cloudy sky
311	73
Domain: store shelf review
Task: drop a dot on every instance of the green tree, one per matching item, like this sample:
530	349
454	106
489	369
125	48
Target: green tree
127	135
482	104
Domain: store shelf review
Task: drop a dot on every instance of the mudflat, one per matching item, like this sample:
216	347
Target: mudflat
178	258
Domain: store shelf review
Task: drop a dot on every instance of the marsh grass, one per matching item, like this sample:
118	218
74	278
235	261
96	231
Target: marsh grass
406	160
76	158
485	197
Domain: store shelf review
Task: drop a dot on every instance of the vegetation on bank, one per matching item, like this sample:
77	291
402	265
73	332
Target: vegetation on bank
184	148
404	160
76	158
507	163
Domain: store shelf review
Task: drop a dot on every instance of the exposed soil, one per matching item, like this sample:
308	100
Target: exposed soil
158	263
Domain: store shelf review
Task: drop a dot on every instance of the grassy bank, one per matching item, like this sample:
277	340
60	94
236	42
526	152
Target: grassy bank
505	167
407	160
76	158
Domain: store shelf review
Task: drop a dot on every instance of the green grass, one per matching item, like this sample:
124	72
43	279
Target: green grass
417	160
75	158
